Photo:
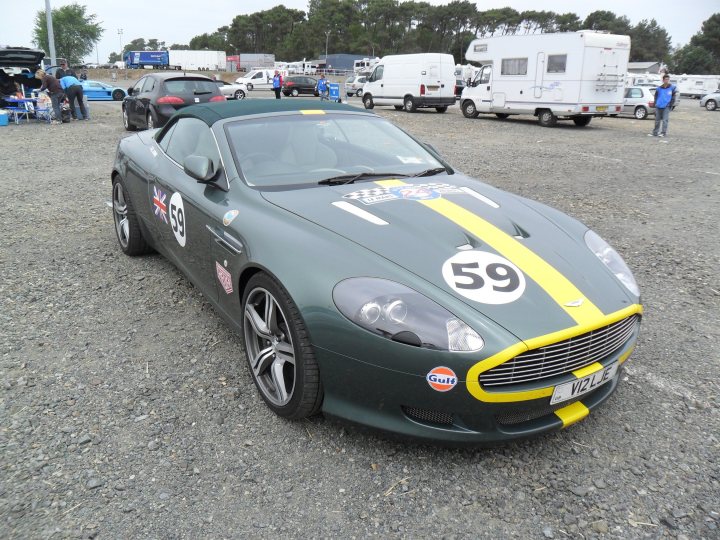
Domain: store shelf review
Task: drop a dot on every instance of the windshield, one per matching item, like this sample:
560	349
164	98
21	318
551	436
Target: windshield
307	149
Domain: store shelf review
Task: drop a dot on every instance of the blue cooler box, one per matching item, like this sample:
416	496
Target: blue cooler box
4	119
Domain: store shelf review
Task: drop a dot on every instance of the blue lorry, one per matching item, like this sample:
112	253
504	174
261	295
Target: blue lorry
152	59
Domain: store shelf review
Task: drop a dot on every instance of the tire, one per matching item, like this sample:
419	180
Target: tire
409	105
546	118
582	121
468	109
640	113
711	104
127	224
441	109
126	121
359	93
502	115
118	95
294	92
398	107
239	94
279	354
368	101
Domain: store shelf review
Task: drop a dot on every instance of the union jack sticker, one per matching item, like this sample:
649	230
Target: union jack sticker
159	204
224	278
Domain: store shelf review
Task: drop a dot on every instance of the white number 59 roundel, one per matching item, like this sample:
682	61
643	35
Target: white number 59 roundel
484	277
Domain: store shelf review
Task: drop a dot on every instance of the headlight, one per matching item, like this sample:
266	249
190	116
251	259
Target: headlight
612	260
401	314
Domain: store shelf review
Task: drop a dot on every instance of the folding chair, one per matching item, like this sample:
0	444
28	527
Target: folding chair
18	112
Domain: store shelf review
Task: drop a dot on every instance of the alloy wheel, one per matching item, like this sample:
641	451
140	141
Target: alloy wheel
120	215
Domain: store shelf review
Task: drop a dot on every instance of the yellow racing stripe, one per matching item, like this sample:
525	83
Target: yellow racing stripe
572	413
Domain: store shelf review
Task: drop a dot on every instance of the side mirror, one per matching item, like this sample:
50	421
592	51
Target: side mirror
201	168
130	91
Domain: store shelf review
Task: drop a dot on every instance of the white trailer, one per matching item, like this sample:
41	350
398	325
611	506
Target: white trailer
198	60
559	76
697	86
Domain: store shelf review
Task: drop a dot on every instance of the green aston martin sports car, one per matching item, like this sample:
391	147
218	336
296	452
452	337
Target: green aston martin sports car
371	281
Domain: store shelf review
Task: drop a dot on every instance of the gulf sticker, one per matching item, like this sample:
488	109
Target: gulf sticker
441	379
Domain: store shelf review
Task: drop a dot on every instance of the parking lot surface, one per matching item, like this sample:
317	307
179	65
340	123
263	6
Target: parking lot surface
128	409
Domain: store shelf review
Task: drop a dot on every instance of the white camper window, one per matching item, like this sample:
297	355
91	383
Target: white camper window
556	63
514	66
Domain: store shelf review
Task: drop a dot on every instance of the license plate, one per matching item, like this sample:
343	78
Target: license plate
601	108
573	389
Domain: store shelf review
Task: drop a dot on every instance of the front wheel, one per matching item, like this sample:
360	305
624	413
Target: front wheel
359	93
118	95
239	94
294	92
468	109
547	118
127	225
640	113
278	350
711	105
409	105
441	109
582	120
126	120
368	101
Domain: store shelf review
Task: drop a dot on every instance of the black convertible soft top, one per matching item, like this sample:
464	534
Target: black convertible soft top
213	112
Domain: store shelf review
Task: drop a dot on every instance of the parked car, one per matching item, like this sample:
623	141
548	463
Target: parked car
156	96
299	84
300	221
639	101
711	101
100	91
232	90
18	64
354	85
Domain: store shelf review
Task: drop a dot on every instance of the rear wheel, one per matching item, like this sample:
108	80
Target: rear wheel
239	94
468	109
547	118
118	95
582	120
409	104
294	92
127	225
502	115
711	104
640	112
441	109
368	101
278	350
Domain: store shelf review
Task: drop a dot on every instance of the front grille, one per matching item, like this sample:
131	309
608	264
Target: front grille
562	357
518	416
429	415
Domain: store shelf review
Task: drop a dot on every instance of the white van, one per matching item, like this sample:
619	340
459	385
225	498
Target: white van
410	81
260	78
566	76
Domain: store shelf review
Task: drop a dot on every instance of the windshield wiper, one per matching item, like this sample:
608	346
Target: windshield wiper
351	178
430	172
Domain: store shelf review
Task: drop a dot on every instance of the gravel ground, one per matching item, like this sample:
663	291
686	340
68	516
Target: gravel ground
128	411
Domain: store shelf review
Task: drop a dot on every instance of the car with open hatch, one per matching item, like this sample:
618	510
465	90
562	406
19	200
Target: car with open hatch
154	98
370	280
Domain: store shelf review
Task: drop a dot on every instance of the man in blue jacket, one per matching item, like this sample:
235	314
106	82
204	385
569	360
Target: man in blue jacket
322	88
665	96
74	91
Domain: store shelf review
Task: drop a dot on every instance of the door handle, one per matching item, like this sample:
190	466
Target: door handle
382	85
488	87
226	241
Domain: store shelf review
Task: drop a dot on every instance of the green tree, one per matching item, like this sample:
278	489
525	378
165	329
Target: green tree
567	22
137	44
607	20
75	30
694	60
650	42
709	36
114	57
178	47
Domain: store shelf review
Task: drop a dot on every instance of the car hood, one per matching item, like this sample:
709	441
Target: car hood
421	228
20	57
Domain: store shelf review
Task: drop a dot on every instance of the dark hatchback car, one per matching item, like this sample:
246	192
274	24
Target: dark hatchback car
156	96
296	85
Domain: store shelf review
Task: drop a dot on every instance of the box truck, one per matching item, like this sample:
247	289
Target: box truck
558	76
149	59
198	60
411	81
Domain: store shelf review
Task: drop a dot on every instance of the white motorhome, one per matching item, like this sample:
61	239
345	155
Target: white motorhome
558	76
410	81
697	86
260	78
366	64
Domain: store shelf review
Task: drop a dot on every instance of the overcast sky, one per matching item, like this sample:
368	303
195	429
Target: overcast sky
179	21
